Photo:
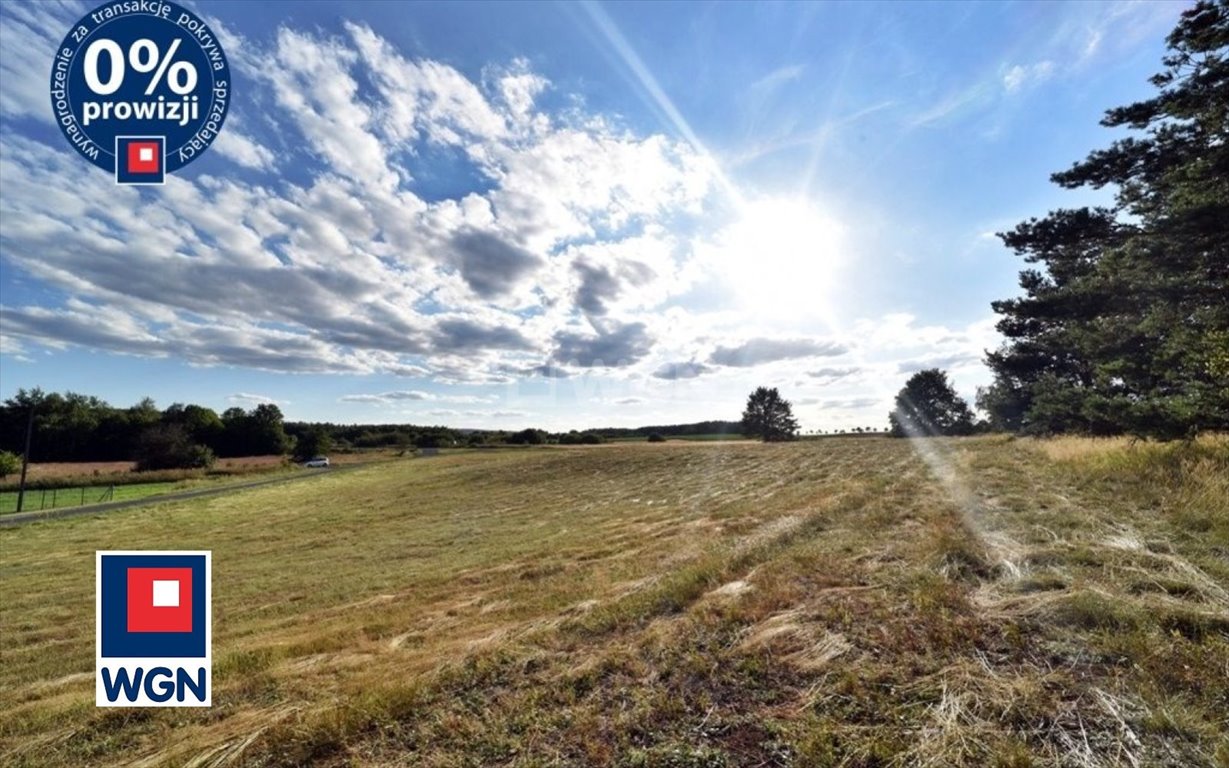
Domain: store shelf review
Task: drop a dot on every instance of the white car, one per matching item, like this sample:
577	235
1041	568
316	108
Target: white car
317	461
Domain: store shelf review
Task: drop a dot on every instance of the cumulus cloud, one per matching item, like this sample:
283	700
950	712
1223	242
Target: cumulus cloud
682	370
955	360
491	265
762	350
244	150
619	345
347	265
827	375
29	33
386	397
601	284
850	404
463	335
545	371
597	285
401	396
374	399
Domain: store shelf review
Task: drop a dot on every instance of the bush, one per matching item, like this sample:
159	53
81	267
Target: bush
9	463
167	447
527	437
314	442
657	437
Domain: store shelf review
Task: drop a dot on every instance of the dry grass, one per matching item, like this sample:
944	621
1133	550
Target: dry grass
50	469
842	603
104	473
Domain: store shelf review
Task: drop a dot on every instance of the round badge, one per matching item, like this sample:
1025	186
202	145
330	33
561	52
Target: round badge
140	88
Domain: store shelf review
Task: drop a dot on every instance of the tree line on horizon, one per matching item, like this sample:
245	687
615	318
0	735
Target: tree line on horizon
73	427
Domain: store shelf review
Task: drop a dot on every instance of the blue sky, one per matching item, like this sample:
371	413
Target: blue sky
565	215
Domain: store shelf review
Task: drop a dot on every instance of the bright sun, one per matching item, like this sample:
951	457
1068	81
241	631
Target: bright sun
780	258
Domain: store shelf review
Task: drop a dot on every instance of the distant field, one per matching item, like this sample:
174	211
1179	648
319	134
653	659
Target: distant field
87	468
58	498
856	602
72	484
644	439
70	478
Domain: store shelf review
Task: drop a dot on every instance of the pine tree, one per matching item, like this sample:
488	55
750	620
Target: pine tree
1124	325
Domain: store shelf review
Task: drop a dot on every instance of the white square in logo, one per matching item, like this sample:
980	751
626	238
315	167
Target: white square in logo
166	594
146	154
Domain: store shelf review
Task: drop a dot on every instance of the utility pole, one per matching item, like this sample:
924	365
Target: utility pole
25	457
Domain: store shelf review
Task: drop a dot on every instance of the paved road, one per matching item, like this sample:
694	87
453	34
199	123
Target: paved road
9	521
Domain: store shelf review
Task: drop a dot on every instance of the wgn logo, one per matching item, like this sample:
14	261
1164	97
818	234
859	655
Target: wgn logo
153	629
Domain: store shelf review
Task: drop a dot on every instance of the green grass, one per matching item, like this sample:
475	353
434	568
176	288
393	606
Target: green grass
45	499
42	499
839	603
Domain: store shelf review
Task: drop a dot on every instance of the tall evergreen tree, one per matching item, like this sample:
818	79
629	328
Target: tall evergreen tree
1124	325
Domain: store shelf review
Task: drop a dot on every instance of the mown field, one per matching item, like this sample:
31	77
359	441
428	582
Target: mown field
856	602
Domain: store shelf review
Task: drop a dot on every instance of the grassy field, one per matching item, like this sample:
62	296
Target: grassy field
60	485
694	438
56	498
104	473
78	469
857	602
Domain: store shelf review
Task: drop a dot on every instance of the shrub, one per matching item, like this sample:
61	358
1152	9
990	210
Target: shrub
314	442
527	437
9	463
167	447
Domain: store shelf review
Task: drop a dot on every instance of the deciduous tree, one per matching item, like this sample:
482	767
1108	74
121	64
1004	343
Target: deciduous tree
769	416
929	406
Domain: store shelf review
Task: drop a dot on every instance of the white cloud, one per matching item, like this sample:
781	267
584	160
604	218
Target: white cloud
247	397
1021	75
385	398
30	33
778	77
334	271
567	257
758	351
244	150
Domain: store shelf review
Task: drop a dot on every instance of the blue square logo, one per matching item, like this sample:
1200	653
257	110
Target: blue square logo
153	629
